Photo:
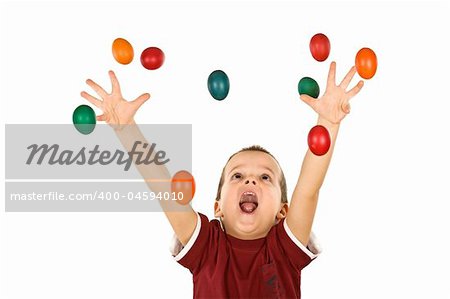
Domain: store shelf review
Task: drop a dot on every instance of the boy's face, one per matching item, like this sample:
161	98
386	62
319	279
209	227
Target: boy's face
250	200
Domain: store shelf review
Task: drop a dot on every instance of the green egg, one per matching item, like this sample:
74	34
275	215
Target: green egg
218	85
84	119
308	86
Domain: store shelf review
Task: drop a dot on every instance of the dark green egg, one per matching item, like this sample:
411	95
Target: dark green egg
84	119
308	86
218	85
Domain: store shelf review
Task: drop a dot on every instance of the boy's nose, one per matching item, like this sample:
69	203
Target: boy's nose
248	182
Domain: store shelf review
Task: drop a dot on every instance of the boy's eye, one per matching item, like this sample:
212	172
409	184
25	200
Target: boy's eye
265	177
236	176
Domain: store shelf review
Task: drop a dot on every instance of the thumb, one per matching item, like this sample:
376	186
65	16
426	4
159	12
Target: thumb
101	117
141	99
346	107
308	100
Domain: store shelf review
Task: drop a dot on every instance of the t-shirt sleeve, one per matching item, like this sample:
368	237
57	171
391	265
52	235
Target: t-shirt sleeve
298	254
196	250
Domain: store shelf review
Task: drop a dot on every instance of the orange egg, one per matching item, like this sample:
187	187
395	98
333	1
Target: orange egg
183	185
122	51
366	63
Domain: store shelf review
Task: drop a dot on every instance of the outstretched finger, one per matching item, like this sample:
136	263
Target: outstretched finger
308	100
93	100
331	81
97	88
354	91
348	78
141	100
114	82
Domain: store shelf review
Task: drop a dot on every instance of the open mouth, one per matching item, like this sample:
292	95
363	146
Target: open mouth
248	202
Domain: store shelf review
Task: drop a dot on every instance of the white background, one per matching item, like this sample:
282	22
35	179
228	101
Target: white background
383	216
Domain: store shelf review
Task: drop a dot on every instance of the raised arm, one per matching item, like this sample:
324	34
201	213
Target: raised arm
332	107
119	114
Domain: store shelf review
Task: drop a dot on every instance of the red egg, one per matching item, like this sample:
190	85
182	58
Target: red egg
183	182
366	63
320	47
152	58
319	140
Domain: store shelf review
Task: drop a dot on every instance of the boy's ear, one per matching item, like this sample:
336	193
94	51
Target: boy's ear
217	210
283	211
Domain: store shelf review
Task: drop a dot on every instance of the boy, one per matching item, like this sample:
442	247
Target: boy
258	248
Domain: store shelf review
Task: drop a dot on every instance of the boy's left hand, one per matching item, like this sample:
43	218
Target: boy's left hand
334	104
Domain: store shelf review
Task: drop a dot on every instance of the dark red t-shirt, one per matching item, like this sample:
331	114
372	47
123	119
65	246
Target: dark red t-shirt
226	267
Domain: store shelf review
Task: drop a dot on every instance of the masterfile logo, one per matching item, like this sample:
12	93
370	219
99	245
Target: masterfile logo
53	155
54	168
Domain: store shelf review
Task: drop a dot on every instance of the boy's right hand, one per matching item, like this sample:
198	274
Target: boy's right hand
117	111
